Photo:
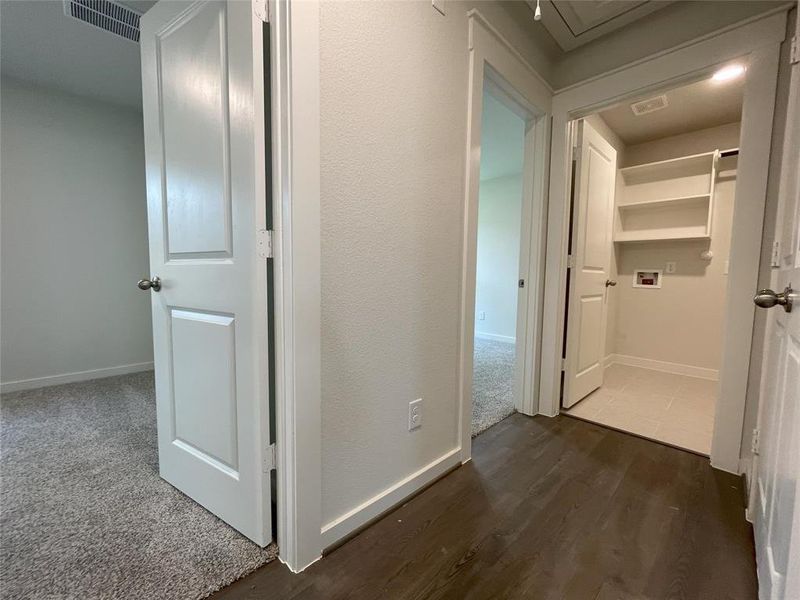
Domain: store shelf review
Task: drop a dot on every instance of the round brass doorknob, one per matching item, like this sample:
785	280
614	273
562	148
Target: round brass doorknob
767	299
150	284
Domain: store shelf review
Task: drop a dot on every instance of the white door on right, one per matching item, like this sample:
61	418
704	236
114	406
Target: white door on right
776	497
593	211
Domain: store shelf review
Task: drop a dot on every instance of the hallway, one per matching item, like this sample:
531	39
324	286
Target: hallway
548	508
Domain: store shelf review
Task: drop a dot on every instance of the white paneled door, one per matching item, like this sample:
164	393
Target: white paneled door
593	211
209	315
775	493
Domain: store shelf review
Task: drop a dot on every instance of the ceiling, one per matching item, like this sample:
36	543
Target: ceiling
573	23
41	45
502	139
696	106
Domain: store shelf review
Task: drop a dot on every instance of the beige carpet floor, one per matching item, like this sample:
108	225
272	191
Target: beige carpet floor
492	383
83	512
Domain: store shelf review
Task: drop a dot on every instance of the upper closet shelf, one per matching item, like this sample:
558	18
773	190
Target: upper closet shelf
666	200
684	166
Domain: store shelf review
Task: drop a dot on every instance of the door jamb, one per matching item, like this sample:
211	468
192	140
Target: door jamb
757	41
294	69
492	57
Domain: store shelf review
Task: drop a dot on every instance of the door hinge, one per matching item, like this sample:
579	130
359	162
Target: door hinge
270	458
794	54
776	254
264	243
570	261
261	10
755	441
563	364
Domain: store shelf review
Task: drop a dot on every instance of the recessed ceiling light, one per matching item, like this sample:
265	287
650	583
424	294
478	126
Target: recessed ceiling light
728	73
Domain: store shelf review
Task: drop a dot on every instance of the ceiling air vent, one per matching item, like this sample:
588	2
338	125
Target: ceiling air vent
105	14
650	105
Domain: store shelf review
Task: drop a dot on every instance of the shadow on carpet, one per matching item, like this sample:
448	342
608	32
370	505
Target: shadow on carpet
84	513
492	383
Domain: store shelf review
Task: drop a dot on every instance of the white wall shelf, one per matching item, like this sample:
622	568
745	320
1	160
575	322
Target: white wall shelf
653	236
666	200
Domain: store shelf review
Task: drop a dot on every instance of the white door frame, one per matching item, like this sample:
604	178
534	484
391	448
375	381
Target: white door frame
294	55
757	43
494	59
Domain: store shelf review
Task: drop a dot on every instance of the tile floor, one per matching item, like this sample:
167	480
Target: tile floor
675	409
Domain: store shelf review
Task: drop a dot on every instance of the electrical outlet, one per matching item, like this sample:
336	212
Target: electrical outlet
671	267
415	414
481	316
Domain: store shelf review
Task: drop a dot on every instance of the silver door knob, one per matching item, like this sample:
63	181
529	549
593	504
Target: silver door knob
150	284
610	283
768	299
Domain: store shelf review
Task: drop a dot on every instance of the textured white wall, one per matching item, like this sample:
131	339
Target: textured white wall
393	135
74	235
499	224
668	324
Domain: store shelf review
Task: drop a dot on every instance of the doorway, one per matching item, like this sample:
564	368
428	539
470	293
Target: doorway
653	201
498	284
81	417
506	375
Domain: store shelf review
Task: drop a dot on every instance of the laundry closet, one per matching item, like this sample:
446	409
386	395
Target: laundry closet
654	194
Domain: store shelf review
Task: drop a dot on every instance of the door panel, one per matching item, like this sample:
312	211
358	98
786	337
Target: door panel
601	166
776	498
590	351
192	66
596	167
209	316
204	368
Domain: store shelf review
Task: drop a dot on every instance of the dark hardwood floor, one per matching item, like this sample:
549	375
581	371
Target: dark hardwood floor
548	508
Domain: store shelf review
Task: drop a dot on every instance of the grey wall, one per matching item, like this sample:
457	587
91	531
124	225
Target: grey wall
74	235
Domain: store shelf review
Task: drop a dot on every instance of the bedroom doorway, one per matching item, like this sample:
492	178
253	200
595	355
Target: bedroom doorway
498	282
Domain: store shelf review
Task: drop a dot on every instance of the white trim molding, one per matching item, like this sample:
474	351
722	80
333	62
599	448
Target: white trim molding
496	337
39	382
756	44
368	511
663	366
294	56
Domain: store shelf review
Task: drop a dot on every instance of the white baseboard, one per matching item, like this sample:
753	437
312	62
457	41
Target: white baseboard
38	382
392	496
496	337
661	365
